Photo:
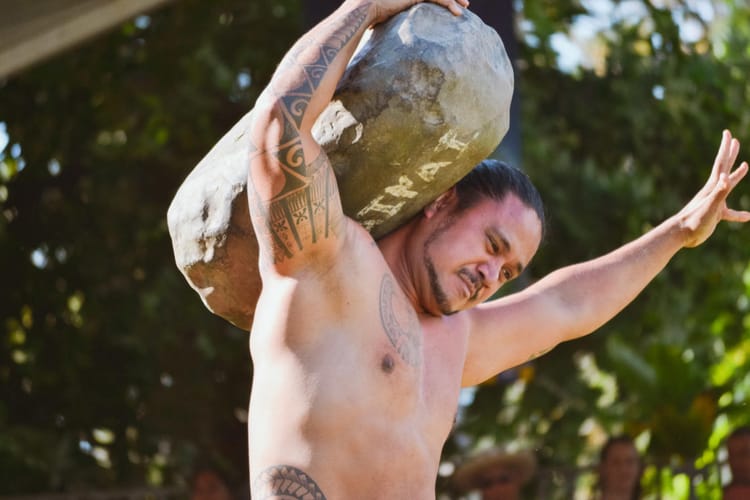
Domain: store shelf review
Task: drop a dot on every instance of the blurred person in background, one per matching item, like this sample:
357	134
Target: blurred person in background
209	483
738	456
619	471
495	474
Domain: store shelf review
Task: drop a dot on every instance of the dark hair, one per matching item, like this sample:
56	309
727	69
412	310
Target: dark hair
495	179
611	442
743	430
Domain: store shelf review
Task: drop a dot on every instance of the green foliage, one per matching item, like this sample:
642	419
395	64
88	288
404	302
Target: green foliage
616	149
112	372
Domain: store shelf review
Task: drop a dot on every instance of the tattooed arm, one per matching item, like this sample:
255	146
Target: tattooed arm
293	196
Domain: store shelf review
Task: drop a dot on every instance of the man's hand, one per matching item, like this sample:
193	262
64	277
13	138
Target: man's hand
699	217
386	8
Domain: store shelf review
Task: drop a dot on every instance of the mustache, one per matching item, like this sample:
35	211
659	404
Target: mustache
474	279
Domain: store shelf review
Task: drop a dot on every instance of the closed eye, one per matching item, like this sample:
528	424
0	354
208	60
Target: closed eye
494	247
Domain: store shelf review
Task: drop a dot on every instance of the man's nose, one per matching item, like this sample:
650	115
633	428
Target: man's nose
490	271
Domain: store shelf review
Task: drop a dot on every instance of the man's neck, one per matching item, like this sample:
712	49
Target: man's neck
394	247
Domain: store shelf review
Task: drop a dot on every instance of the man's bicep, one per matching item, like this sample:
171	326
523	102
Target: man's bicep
508	332
293	196
294	201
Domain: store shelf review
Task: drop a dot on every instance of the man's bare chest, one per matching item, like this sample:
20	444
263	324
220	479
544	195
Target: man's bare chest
353	344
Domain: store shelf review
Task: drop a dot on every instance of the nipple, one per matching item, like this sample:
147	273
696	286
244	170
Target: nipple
387	365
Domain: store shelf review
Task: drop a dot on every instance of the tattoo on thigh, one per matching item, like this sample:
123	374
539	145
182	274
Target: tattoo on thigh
400	322
284	481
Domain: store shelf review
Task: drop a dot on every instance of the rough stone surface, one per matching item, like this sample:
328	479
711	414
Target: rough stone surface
423	100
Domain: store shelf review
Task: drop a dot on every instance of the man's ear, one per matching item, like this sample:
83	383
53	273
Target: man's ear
444	200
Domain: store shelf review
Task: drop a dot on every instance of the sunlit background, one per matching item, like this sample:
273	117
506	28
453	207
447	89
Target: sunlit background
113	374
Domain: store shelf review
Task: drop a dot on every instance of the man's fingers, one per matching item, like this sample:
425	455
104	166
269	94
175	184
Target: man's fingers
727	182
455	6
725	158
736	176
728	150
736	215
731	181
730	153
734	150
724	186
718	162
726	138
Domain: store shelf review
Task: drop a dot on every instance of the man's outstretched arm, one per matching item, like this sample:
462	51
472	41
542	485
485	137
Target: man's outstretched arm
293	196
576	300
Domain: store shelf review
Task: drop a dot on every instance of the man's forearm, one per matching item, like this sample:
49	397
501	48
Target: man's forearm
589	294
307	77
568	303
292	193
598	289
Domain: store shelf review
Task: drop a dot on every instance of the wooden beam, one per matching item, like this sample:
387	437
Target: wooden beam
31	31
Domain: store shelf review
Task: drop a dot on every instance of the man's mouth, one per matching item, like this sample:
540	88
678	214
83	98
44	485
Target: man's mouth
473	283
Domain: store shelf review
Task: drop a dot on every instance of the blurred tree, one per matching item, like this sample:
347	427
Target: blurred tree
111	370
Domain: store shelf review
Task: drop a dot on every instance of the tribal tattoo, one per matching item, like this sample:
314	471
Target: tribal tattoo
284	481
400	322
305	210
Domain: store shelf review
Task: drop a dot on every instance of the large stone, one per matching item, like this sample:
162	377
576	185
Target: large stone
423	100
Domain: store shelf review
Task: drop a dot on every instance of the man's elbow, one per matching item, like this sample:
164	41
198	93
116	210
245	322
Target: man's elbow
268	124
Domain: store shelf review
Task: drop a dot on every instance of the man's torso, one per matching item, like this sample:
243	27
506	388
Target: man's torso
353	393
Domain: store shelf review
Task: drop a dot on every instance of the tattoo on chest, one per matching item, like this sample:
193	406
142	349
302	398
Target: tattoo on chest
400	322
284	481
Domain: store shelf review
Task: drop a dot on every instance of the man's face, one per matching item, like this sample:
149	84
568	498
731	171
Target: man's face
469	255
738	450
621	469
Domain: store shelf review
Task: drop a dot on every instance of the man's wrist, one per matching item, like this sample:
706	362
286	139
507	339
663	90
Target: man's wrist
372	9
678	228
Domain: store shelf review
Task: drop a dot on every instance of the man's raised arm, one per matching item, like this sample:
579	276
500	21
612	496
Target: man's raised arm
293	196
576	300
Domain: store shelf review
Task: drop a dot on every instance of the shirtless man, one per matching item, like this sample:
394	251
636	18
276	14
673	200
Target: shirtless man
360	348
